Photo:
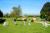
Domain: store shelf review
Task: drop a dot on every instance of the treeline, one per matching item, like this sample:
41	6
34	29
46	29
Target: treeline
16	12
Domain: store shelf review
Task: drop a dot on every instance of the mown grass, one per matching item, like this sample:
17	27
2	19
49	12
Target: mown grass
20	28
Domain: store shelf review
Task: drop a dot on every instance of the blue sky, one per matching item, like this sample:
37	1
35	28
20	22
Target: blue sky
31	7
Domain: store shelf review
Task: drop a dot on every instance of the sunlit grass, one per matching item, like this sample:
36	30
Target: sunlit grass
20	28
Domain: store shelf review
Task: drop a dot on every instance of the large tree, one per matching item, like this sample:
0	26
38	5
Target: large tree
16	11
45	11
1	14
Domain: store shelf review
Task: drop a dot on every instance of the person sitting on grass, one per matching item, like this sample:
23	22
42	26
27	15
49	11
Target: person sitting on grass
24	20
15	21
5	23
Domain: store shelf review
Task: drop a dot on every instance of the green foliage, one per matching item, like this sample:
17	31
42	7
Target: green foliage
16	12
45	11
1	14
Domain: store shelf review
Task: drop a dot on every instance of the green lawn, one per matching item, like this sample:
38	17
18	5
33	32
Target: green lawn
20	28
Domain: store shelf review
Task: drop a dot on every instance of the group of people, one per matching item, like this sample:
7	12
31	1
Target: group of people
24	20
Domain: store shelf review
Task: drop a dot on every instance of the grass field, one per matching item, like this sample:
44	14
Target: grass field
20	28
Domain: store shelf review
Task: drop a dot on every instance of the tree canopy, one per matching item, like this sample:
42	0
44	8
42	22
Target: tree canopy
45	11
1	14
16	11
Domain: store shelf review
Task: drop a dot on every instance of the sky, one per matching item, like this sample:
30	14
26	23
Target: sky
29	7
